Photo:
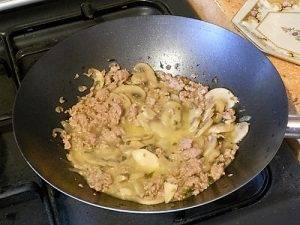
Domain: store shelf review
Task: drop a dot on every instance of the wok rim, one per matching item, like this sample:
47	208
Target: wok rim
53	185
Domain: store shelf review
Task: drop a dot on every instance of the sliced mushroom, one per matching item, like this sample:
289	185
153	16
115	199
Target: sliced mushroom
146	160
145	116
82	159
211	151
133	132
194	119
224	95
209	110
221	128
146	201
125	193
220	105
148	112
144	122
171	116
67	127
136	144
125	100
97	77
204	126
194	125
159	129
138	78
169	191
122	97
135	93
143	72
239	132
139	189
121	178
217	118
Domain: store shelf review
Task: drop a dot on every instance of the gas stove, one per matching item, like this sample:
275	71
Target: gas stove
26	33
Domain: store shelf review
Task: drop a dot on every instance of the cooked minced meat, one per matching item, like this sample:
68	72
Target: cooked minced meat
151	137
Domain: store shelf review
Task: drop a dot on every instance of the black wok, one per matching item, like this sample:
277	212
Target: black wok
199	48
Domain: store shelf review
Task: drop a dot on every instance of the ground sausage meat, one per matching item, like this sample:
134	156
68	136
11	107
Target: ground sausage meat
97	179
216	171
186	143
148	136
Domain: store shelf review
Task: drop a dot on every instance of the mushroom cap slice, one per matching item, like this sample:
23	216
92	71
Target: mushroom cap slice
171	116
97	76
143	72
169	191
135	93
126	103
239	132
224	95
145	160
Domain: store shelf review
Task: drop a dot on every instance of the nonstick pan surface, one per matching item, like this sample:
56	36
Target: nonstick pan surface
195	47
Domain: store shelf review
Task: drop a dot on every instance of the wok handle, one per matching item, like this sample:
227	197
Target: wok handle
293	127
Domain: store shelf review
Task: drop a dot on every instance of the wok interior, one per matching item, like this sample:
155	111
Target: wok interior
210	52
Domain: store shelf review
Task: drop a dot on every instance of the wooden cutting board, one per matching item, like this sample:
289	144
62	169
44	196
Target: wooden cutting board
221	12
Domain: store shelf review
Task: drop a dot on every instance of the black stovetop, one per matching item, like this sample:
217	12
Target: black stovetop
26	33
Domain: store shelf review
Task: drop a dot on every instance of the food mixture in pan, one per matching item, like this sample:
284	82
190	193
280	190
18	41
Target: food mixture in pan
150	137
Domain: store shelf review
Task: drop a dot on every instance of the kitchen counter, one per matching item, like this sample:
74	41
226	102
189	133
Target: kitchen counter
221	12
